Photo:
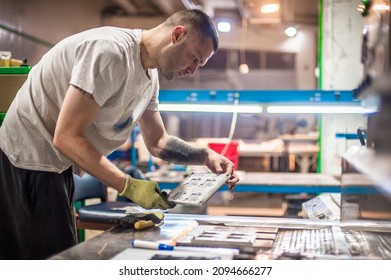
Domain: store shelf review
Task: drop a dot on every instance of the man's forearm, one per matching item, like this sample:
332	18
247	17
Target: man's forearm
80	151
178	151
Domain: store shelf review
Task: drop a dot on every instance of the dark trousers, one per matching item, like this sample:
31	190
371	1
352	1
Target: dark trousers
36	212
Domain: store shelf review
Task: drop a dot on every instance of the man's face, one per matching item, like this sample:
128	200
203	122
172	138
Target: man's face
183	57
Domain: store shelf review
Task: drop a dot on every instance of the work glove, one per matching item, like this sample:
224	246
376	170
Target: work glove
140	221
146	194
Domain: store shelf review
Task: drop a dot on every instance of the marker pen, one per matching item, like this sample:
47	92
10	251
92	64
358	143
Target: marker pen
151	245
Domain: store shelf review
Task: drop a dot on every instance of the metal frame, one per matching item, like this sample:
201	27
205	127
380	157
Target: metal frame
315	97
315	189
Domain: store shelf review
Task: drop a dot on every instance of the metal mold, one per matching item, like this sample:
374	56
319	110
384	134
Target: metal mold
197	188
230	237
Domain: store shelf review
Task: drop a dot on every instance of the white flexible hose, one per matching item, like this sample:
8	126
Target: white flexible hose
232	128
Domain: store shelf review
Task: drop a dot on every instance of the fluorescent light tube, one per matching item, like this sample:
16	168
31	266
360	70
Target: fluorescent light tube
213	108
314	109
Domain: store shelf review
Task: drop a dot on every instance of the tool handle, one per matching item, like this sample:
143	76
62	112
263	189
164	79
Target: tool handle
143	224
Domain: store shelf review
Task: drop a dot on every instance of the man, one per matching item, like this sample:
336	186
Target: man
79	103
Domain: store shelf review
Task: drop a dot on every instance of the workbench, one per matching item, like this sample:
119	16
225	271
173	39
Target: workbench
301	149
303	155
114	241
118	239
264	182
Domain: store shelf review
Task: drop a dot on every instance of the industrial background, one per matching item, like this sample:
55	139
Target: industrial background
285	158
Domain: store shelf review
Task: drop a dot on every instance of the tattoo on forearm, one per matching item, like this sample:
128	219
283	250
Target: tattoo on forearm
178	151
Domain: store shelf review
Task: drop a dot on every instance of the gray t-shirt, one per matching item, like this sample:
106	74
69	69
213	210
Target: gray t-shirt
103	61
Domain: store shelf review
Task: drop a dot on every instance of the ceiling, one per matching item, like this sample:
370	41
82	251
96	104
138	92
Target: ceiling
303	12
264	34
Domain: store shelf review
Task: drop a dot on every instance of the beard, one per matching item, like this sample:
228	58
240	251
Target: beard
169	62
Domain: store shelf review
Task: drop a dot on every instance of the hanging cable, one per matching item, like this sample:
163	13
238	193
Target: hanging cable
232	127
243	67
242	60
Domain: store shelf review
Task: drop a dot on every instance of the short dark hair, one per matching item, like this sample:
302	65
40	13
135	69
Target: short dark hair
198	20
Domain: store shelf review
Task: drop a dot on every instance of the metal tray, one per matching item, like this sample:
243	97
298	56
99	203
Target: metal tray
197	188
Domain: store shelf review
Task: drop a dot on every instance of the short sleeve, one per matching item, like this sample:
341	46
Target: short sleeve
98	69
154	102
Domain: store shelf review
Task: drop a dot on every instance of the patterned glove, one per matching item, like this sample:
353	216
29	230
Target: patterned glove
146	194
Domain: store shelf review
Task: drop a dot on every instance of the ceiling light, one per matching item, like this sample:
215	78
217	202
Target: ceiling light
224	26
243	68
214	108
381	7
270	8
290	31
361	8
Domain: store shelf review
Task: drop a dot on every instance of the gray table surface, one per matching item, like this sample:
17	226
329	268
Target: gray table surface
117	239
